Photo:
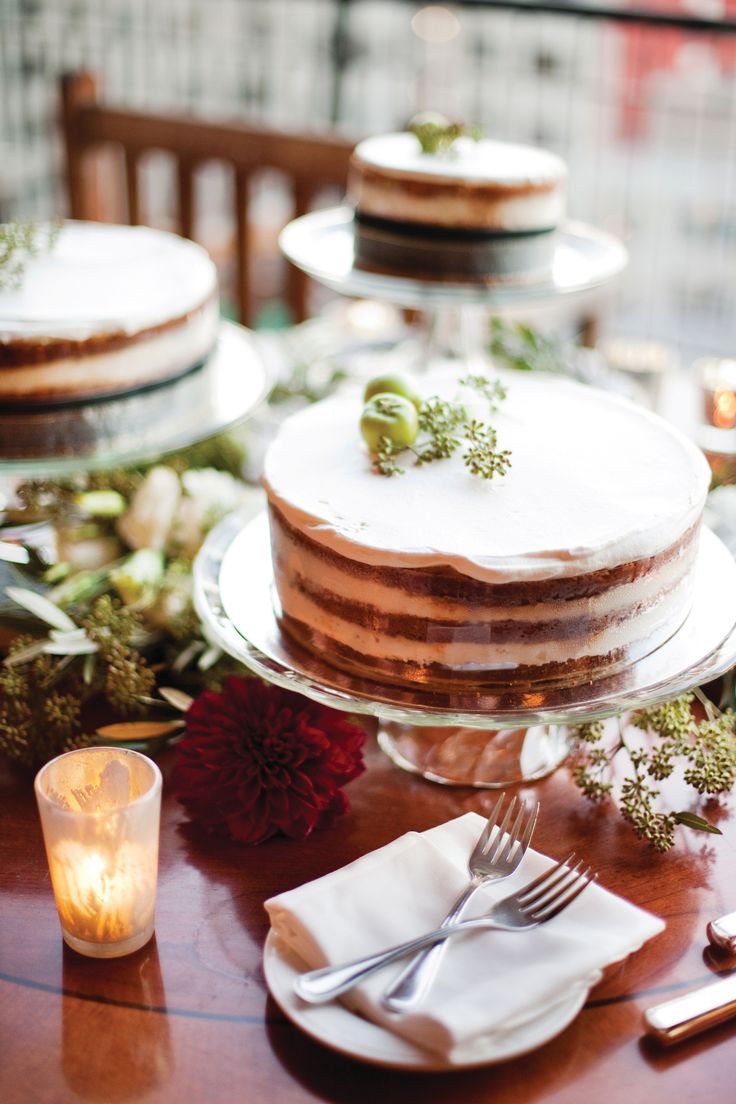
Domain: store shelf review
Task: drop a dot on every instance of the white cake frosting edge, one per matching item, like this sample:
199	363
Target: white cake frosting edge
486	161
328	432
100	279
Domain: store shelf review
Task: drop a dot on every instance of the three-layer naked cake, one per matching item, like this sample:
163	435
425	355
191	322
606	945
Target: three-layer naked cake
482	210
579	559
108	309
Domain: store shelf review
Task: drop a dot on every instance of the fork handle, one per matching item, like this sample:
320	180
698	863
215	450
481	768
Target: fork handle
412	984
320	986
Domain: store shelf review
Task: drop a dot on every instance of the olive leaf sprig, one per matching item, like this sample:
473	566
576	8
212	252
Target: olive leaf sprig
18	242
672	737
445	426
522	347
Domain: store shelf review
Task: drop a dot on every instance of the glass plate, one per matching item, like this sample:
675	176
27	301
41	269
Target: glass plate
233	593
142	425
337	1027
321	244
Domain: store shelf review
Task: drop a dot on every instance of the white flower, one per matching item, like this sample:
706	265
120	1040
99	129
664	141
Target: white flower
147	523
173	600
88	554
208	496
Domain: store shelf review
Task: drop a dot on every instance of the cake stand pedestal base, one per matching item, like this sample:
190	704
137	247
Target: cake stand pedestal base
484	758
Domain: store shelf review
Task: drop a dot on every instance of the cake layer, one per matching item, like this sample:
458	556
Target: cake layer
154	357
477	185
578	558
381	616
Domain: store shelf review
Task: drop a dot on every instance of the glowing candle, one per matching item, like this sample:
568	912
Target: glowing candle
99	812
718	380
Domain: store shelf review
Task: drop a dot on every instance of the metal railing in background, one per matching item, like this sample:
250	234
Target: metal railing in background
642	105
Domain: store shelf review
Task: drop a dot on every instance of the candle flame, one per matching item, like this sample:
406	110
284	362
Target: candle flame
103	899
724	409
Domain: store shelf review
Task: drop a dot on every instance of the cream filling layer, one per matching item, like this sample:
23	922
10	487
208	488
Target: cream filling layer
555	564
462	210
145	361
640	632
294	562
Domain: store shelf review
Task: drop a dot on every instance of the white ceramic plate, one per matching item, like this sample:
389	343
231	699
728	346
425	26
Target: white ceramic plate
336	1027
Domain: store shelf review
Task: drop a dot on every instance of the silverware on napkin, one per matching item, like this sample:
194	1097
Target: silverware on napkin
500	848
535	903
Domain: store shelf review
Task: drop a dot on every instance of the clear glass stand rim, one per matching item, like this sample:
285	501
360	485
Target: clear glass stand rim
321	243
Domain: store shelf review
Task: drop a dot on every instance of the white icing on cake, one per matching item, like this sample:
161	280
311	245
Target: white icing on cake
595	482
484	185
101	279
485	161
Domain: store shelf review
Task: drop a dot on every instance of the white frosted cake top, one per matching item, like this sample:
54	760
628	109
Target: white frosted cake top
484	161
101	279
595	481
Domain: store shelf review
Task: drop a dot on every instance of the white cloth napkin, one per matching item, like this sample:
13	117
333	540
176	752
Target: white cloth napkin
489	982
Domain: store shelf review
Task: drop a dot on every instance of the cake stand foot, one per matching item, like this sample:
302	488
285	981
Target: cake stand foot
486	759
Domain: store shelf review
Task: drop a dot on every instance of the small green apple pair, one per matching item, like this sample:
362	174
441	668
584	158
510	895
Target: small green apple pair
391	405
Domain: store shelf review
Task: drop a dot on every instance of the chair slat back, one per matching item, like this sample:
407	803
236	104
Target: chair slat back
309	162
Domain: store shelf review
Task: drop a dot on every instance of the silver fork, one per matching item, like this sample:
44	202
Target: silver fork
495	856
533	904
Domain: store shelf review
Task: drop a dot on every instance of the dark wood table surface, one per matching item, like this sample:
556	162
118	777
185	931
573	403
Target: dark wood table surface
189	1018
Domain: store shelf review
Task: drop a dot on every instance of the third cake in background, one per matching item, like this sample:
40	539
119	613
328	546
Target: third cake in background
470	209
104	311
578	559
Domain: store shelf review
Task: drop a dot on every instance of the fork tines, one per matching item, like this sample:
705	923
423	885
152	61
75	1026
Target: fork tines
554	890
498	841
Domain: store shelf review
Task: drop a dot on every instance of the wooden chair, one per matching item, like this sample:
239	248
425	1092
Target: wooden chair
309	162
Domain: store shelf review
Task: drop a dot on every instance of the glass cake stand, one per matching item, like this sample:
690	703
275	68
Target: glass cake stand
487	737
60	440
321	243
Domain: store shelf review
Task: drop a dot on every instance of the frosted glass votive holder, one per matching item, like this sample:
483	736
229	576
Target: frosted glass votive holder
718	383
100	811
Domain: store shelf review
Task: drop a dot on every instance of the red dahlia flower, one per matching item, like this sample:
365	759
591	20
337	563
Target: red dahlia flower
257	760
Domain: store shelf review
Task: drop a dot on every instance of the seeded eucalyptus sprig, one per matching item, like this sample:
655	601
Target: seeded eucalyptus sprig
482	457
384	460
439	420
18	242
672	737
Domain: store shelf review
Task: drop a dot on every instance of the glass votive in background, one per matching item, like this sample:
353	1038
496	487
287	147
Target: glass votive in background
100	810
645	363
717	377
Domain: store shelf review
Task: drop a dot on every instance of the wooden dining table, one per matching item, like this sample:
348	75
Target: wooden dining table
189	1016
